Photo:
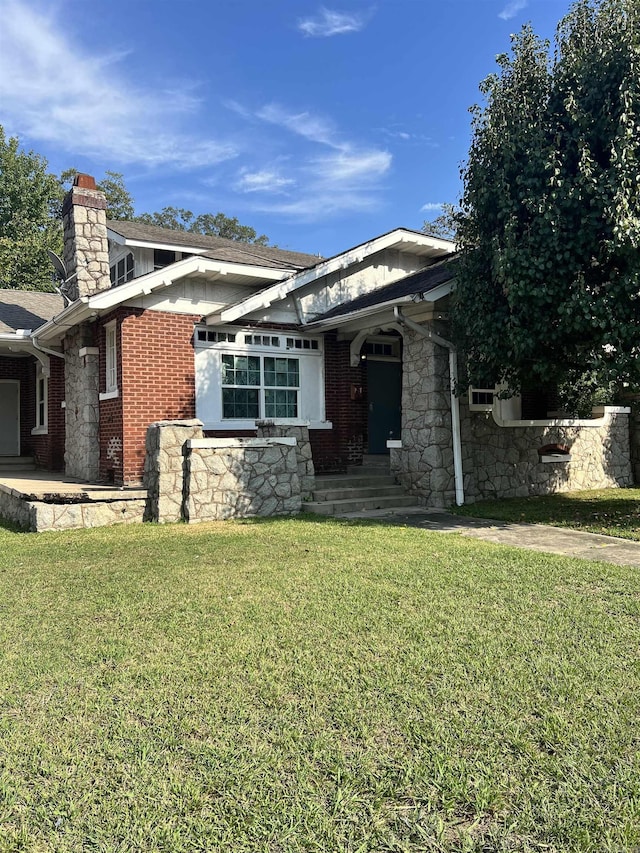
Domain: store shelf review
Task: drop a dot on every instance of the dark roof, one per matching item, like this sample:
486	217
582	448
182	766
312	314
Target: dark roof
216	248
411	285
27	309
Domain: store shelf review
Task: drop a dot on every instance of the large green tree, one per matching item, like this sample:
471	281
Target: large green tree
548	286
29	206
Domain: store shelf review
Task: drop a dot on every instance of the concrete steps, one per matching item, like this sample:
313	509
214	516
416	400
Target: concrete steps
362	489
9	464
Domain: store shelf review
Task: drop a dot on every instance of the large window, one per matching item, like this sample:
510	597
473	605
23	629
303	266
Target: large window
256	386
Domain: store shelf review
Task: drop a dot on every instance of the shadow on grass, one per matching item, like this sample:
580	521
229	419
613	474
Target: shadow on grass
614	512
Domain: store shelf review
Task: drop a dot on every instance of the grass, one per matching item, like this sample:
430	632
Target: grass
312	685
612	512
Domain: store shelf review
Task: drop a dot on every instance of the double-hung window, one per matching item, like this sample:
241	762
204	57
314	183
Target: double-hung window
42	392
255	386
111	358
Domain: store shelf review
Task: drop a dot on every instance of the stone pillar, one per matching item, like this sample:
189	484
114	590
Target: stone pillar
306	471
86	247
164	467
81	371
425	462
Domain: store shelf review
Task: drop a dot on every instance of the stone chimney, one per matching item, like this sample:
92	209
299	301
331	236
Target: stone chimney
86	248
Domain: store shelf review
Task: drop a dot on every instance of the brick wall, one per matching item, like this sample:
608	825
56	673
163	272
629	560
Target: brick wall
156	382
48	450
343	445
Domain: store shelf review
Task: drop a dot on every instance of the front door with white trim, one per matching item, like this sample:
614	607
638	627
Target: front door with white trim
9	418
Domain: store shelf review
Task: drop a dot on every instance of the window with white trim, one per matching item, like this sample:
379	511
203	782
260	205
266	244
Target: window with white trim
42	391
256	386
111	357
123	270
243	375
481	399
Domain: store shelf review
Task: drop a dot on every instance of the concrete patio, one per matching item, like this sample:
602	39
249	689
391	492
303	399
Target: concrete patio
42	500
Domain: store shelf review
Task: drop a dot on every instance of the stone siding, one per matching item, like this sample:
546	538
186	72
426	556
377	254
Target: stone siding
86	247
165	468
251	477
82	449
38	516
424	465
191	478
504	461
497	461
306	471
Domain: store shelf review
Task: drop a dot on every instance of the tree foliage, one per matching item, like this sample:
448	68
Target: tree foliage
211	224
29	204
443	226
548	288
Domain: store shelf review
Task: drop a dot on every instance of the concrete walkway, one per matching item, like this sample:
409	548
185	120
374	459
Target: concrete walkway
535	537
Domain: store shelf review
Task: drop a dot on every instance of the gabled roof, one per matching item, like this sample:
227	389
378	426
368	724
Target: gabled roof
418	284
403	239
216	248
27	309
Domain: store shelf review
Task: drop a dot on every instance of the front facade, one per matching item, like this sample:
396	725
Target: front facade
159	325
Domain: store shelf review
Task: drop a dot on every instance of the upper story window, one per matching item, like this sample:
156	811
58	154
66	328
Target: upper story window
123	270
162	258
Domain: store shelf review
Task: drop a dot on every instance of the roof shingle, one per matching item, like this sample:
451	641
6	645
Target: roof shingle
215	248
27	309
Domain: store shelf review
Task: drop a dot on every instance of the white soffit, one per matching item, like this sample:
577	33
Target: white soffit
402	239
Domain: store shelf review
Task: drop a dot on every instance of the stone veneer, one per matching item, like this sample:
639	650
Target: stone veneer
240	477
40	515
86	248
497	461
82	449
280	429
192	478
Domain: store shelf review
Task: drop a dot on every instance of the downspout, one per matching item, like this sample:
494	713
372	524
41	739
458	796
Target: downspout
455	406
46	350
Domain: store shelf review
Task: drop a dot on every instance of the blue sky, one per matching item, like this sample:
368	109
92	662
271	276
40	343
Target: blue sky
321	125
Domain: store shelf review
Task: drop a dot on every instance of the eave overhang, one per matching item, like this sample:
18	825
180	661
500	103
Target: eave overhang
90	307
400	238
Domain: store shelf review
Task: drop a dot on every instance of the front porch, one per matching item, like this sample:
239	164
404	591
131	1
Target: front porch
41	500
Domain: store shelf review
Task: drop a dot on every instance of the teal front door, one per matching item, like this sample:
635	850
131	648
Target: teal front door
384	390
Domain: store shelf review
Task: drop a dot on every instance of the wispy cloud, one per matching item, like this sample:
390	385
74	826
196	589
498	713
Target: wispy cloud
53	90
331	23
432	206
265	181
331	175
512	8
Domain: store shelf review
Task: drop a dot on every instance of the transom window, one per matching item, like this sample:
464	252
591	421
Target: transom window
256	386
481	399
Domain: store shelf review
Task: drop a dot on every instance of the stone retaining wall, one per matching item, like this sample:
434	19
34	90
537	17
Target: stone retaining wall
306	470
236	478
192	478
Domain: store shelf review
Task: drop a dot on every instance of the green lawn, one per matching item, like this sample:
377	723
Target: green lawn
312	685
613	512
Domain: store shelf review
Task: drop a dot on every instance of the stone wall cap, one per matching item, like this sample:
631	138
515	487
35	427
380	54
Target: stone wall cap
281	422
193	422
219	443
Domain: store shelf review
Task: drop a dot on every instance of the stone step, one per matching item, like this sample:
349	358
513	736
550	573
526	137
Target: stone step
353	481
12	463
339	507
348	493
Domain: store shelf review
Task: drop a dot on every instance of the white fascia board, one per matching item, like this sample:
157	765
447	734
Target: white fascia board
342	319
353	256
69	317
166	276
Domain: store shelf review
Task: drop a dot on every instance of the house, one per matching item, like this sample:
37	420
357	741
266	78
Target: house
163	325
